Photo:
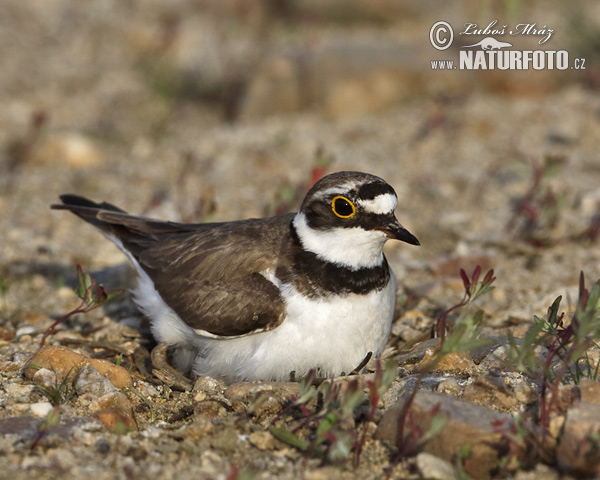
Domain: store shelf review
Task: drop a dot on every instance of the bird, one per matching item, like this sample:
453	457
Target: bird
266	298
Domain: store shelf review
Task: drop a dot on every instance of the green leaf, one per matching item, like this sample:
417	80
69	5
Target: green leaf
438	422
84	282
289	438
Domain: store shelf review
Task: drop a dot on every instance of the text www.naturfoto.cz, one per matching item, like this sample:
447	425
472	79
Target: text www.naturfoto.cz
510	60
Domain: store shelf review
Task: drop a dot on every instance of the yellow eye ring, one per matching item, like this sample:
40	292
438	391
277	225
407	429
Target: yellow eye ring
342	207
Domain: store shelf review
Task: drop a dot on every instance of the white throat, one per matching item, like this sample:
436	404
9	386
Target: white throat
353	248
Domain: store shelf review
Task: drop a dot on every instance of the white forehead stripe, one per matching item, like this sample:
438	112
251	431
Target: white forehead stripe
381	204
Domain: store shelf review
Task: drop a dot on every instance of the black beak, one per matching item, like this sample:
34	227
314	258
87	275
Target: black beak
397	232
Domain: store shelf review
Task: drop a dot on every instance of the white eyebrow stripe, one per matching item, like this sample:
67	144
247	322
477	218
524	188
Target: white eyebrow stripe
381	204
338	190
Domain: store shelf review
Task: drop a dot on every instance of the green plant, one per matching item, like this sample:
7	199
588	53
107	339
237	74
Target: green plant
51	420
464	336
146	401
568	343
329	427
464	453
518	435
537	212
92	296
61	393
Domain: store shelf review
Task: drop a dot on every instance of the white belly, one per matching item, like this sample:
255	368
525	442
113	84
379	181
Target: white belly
332	334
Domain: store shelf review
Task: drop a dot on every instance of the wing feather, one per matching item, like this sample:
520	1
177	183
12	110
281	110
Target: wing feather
209	274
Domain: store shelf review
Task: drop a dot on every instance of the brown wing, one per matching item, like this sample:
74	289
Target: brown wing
209	274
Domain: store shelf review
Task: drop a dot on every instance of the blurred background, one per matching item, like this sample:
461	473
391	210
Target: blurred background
194	110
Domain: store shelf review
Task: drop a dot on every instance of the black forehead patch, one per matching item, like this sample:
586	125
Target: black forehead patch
369	191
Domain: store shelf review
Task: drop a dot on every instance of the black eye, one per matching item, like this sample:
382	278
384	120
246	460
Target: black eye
343	207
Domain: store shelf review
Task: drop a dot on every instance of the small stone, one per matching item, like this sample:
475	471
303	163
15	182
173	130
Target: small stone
417	320
262	440
14	362
247	391
540	471
262	398
491	392
405	332
66	362
434	468
18	393
7	334
525	392
45	377
90	382
225	441
555	425
210	409
63	459
71	149
450	386
114	411
40	409
207	385
148	390
498	362
576	453
453	363
589	391
199	396
466	423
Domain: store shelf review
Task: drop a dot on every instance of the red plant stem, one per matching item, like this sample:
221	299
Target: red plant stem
400	444
77	310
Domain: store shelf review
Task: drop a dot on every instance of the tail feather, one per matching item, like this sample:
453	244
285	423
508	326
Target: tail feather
118	224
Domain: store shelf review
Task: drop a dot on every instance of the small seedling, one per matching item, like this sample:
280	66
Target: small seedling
567	343
463	454
92	296
517	435
463	337
537	212
61	393
51	420
327	416
146	401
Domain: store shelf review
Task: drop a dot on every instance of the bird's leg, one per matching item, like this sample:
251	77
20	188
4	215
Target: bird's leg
165	372
362	364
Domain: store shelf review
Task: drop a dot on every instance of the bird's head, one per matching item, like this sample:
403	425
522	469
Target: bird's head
346	217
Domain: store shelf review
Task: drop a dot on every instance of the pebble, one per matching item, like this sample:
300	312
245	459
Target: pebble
45	377
66	362
41	409
90	382
262	440
71	149
576	453
210	409
589	391
454	363
18	393
450	386
434	468
466	423
491	392
115	411
261	398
